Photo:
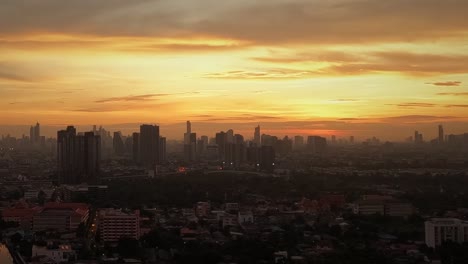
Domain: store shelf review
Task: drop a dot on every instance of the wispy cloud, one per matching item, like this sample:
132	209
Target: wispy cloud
454	94
131	98
448	83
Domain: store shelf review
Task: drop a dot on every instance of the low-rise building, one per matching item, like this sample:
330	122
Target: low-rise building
438	230
59	254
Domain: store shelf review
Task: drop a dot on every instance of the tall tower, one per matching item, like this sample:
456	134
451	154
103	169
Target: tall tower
441	134
149	145
257	136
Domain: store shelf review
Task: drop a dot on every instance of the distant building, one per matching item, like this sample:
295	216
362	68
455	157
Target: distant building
267	158
115	224
418	137
162	149
441	134
316	144
438	230
35	134
257	139
118	144
298	143
136	147
202	209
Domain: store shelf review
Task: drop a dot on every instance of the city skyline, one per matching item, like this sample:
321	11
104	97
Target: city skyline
326	68
252	134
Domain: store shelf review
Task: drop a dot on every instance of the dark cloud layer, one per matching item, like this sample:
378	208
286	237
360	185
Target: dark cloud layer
260	22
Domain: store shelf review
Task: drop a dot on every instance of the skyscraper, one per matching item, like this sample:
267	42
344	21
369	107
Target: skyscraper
257	136
35	134
136	147
298	142
78	156
118	144
162	149
190	143
441	134
316	144
149	145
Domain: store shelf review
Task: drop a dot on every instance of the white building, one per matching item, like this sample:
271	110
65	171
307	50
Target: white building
438	230
62	253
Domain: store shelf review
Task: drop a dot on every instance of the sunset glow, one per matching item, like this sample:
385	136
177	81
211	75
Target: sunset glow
294	66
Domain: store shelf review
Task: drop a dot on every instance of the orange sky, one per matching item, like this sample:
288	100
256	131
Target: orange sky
342	67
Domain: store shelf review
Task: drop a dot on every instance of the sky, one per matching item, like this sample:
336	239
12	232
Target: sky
309	67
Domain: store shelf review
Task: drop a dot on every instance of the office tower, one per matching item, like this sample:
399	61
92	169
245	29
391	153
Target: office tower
221	142
92	155
418	137
78	156
351	139
149	145
441	134
35	134
230	136
298	142
66	159
118	144
136	147
267	158
162	149
283	146
257	136
128	145
268	140
316	144
190	143
333	139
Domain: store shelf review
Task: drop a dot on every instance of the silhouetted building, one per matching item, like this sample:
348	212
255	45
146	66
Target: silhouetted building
351	139
316	144
136	147
267	158
418	137
441	134
190	144
149	145
257	139
35	134
162	149
298	142
118	144
78	156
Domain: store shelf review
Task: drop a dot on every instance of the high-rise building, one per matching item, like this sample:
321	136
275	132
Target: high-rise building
298	142
351	139
441	134
418	137
257	138
190	143
149	145
162	149
333	139
78	156
316	144
118	144
267	158
35	134
136	147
